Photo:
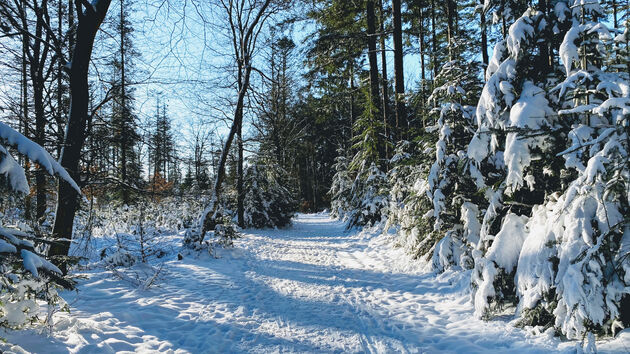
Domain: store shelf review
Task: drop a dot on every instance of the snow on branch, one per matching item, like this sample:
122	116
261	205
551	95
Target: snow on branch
35	153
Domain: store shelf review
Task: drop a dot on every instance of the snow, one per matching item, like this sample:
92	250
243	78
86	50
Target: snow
568	48
14	171
507	244
35	153
311	288
535	274
32	262
520	31
530	111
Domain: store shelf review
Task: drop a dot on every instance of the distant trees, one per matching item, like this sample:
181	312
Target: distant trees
162	152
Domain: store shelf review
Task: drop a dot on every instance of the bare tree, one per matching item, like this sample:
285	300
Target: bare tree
246	20
31	19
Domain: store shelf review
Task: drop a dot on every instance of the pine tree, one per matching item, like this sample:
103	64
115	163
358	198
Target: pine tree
369	195
268	203
340	188
514	150
408	203
123	118
573	268
162	146
451	189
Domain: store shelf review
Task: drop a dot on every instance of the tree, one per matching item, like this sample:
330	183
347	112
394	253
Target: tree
89	19
577	236
268	203
401	115
162	145
245	25
32	19
123	120
28	276
375	101
340	188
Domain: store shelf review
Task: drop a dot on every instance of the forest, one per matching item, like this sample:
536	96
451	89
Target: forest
192	176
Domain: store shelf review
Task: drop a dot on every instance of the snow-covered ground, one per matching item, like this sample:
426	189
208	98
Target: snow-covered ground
311	288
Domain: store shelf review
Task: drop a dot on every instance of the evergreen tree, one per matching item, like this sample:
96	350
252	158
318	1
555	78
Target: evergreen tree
268	203
514	148
123	118
451	190
162	146
369	195
573	267
340	188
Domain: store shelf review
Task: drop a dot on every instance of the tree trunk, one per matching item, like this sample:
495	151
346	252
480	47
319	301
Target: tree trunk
24	119
375	107
434	49
401	115
484	38
385	88
67	197
59	113
421	44
240	200
37	60
220	175
372	57
40	128
123	107
450	28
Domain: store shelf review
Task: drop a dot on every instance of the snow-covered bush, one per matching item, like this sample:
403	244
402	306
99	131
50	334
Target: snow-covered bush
119	258
267	202
136	231
226	232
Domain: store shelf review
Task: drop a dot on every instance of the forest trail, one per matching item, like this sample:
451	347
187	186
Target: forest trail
313	287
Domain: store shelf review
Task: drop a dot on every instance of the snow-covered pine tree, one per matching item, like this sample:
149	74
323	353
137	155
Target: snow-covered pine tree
26	275
408	203
400	178
268	203
369	192
574	268
514	149
452	192
340	188
369	197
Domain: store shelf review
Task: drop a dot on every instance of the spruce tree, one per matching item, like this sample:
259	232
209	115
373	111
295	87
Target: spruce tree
124	120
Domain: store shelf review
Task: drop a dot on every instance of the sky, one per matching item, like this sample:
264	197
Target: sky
183	61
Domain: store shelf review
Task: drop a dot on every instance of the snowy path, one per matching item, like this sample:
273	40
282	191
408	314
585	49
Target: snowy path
311	288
